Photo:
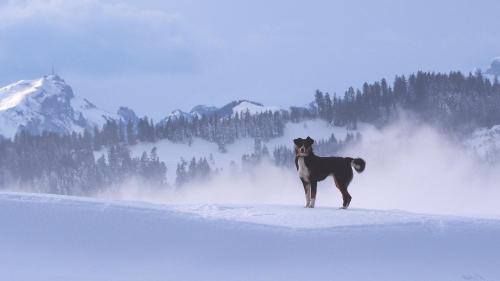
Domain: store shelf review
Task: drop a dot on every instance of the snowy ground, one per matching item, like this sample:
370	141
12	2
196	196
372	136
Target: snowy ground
46	237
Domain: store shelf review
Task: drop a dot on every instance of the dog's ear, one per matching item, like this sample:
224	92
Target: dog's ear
309	141
298	141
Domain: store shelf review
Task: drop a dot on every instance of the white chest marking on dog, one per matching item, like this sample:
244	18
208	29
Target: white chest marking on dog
303	170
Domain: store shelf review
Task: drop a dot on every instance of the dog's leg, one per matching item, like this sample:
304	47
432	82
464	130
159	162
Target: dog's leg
346	197
342	187
314	186
306	192
308	195
337	184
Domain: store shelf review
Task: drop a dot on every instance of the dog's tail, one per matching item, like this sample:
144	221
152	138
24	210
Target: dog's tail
358	164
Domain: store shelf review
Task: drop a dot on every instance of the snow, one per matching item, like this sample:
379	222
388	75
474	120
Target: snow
297	218
12	95
49	237
252	108
94	115
15	94
177	114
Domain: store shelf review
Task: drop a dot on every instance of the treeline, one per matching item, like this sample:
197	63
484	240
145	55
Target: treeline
452	101
67	164
220	130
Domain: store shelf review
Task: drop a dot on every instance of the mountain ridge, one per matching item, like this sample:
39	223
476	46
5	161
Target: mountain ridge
232	108
47	104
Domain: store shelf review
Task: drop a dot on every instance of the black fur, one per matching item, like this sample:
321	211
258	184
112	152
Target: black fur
319	168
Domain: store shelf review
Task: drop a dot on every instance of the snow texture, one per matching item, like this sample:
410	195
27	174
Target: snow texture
47	237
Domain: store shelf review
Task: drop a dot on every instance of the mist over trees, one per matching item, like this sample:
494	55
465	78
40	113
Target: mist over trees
67	164
195	170
95	160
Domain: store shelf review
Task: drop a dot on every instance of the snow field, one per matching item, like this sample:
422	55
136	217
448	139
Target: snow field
48	237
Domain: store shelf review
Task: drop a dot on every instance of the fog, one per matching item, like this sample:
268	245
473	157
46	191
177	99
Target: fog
414	167
410	166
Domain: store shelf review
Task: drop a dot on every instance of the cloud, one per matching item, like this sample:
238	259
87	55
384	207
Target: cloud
92	36
64	12
183	53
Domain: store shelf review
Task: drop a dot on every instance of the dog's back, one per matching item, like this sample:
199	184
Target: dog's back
339	167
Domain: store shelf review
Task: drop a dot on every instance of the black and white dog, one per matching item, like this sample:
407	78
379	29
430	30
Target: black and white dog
313	168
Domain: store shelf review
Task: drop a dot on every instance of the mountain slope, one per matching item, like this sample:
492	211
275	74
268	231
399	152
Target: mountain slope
48	237
243	106
46	104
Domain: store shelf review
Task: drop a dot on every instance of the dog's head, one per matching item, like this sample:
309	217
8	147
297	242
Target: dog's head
303	147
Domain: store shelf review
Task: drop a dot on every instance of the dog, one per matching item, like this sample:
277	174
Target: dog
312	169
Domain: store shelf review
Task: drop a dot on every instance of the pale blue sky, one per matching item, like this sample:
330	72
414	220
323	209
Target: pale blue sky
155	56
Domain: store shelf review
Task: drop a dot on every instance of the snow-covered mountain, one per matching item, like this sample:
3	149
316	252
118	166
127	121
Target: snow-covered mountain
48	237
230	109
46	104
178	114
243	106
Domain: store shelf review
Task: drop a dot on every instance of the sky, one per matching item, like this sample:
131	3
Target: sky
155	56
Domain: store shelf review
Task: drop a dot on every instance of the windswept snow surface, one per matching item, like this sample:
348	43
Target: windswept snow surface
47	237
